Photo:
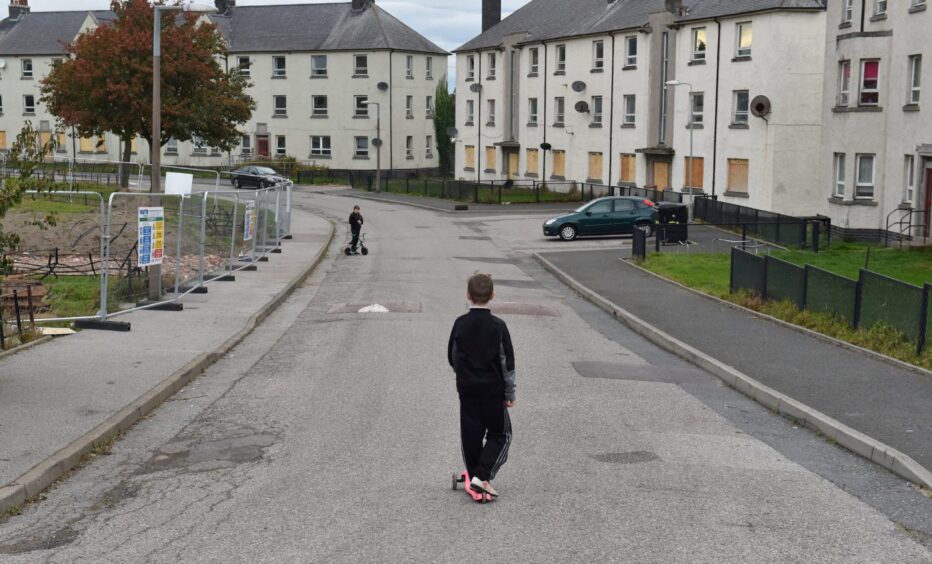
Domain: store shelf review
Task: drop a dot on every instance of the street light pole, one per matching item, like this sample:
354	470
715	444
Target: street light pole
378	145
690	126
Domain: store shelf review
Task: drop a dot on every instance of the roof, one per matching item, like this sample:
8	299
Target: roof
280	28
544	20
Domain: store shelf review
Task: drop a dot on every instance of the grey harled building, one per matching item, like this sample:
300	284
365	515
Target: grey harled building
313	68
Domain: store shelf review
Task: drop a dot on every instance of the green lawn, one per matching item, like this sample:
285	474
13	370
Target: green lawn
909	265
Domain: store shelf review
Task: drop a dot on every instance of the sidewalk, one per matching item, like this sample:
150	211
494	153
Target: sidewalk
441	205
888	403
59	399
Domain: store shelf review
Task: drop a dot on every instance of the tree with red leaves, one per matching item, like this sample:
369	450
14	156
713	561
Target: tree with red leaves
106	83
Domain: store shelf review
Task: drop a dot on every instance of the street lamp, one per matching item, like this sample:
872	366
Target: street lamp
155	271
378	144
690	126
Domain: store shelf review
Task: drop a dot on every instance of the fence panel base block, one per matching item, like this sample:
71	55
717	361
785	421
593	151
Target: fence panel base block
168	306
221	278
97	324
196	290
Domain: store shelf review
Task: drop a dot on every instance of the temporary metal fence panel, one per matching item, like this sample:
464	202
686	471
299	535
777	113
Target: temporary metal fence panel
827	292
786	281
891	302
748	272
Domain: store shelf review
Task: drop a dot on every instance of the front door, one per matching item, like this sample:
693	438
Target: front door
928	208
662	175
262	146
512	165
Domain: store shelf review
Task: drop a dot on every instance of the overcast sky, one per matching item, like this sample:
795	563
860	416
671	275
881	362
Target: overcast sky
448	23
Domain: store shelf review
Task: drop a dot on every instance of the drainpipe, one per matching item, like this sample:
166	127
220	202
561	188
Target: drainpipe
543	170
391	114
718	71
479	119
611	118
863	12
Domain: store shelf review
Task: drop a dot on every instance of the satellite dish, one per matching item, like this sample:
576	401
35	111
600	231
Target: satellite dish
546	146
475	87
383	86
760	106
582	107
376	142
578	86
452	132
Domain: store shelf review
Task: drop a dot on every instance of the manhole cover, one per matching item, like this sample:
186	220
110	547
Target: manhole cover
511	308
635	457
377	307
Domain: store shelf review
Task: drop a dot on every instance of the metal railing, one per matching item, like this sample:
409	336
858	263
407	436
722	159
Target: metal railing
905	227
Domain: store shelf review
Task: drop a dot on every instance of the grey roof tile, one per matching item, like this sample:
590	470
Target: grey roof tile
704	9
40	33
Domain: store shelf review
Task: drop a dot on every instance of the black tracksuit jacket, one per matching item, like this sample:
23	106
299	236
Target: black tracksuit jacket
482	356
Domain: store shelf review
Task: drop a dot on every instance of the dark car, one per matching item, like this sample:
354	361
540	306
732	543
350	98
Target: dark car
256	176
605	216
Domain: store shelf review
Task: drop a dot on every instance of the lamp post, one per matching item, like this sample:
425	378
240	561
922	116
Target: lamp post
155	148
378	145
690	126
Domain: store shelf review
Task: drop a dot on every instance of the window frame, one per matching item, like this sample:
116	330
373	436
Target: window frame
360	110
409	107
880	7
245	145
630	114
490	105
429	144
692	109
847	11
840	175
319	72
909	179
631	55
315	110
470	112
26	106
409	66
279	111
492	62
533	108
843	98
409	147
739	29
317	144
559	56
598	59
697	53
244	70
357	153
29	72
597	110
863	90
198	145
429	68
429	106
858	185
470	68
279	71
281	145
559	110
533	60
357	68
915	79
739	116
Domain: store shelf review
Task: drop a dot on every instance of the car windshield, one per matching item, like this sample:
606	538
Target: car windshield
265	170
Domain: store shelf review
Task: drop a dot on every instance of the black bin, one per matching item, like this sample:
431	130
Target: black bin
673	222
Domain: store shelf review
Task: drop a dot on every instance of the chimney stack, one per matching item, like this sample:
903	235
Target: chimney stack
18	8
224	7
360	5
675	7
491	13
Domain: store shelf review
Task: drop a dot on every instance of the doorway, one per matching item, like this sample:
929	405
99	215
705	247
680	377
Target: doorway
661	175
927	210
512	165
262	146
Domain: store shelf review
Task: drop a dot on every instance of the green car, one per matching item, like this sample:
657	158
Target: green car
605	216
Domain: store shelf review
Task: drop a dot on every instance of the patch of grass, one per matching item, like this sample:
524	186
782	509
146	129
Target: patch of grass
707	272
912	265
73	296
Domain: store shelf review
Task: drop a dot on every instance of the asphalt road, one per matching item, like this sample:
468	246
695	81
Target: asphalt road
332	436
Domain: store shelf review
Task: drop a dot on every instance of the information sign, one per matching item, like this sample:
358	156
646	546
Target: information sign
151	246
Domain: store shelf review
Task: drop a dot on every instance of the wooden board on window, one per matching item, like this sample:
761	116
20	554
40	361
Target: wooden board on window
695	172
45	137
738	175
628	168
87	145
490	158
533	161
2	140
101	145
470	156
662	175
559	163
595	166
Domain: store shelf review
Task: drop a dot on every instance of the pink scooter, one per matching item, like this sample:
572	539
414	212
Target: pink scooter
464	478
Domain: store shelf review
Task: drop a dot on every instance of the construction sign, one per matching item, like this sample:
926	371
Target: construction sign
151	246
249	226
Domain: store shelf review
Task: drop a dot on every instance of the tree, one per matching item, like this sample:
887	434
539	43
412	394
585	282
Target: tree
444	119
106	83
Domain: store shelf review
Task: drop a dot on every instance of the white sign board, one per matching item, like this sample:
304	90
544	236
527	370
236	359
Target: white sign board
249	227
178	183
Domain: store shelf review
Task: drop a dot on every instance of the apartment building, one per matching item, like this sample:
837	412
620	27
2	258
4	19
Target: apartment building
325	77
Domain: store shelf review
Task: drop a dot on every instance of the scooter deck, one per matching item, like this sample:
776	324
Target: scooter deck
464	478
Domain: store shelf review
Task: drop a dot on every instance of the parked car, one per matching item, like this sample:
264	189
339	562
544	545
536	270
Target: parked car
256	176
604	216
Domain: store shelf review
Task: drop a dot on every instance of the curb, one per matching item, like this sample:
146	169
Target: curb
25	347
853	440
44	474
804	330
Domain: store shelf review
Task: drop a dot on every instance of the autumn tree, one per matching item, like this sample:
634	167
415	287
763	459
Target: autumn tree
444	119
106	83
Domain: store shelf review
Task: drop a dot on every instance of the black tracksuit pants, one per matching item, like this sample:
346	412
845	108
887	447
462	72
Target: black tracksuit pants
355	240
484	419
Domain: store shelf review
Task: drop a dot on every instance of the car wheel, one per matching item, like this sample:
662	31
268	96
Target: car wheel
568	232
646	227
236	183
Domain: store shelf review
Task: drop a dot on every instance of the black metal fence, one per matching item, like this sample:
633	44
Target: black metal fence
778	228
870	300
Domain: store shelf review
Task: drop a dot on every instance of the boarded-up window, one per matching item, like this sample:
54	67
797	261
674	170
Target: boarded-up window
693	173
2	140
470	156
61	141
628	168
533	161
490	158
45	137
132	146
559	163
101	144
738	175
595	166
87	145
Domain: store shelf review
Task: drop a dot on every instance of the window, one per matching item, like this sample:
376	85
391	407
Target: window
429	143
409	107
744	35
200	146
2	140
595	169
559	164
915	77
534	60
533	161
27	68
532	111
280	146
696	107
409	147
470	112
847	11
559	110
631	51
598	55
491	112
880	7
492	66
844	82
870	83
278	67
840	175
29	104
470	160
630	107
409	66
430	68
738	176
246	145
692	172
362	148
596	110
62	148
864	183
699	44
429	106
909	179
1	105
280	104
320	106
560	51
244	66
171	148
88	144
470	68
741	101
360	65
320	146
490	155
361	106
318	65
628	168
